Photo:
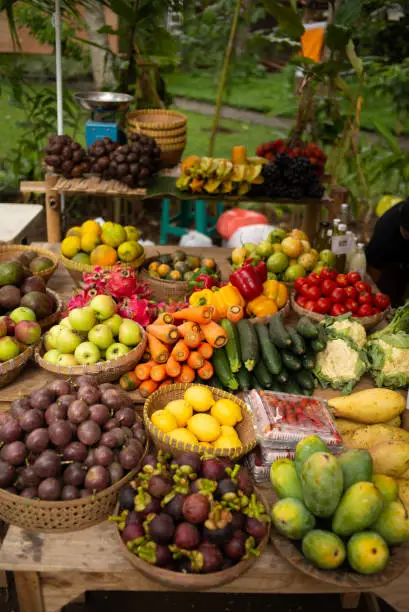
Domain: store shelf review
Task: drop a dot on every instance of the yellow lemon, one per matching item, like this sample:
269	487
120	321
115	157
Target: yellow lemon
91	226
181	411
226	442
229	432
163	420
129	250
206	444
132	233
107	225
200	398
74	231
89	241
70	246
183	435
204	427
113	236
82	258
226	412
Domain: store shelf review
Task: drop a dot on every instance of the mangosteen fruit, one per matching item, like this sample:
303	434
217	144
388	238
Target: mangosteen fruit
133	531
127	497
159	486
243	481
186	536
175	507
161	528
236	547
212	558
213	469
237	520
255	528
154	553
226	489
218	529
188	463
196	508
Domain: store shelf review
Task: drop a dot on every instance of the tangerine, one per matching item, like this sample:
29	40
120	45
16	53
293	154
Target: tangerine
70	246
103	255
89	241
91	226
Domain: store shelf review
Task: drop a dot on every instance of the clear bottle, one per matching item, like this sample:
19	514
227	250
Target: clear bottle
357	262
339	246
344	214
322	241
335	224
352	245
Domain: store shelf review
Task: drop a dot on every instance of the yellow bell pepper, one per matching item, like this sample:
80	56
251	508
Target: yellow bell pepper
276	291
220	298
261	306
201	298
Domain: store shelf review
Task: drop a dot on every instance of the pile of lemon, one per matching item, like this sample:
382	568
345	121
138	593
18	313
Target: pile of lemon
200	419
103	245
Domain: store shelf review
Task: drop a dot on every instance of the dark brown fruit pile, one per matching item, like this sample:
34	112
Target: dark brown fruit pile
66	156
65	442
99	154
191	515
136	162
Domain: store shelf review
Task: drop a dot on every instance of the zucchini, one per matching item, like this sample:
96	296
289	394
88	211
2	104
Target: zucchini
278	332
298	346
263	375
308	361
283	377
306	328
214	381
243	377
292	387
305	379
276	385
254	382
222	369
320	342
250	350
290	361
269	351
233	346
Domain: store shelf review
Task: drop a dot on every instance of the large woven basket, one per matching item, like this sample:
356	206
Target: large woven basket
106	371
160	398
77	270
9	370
55	316
8	251
63	516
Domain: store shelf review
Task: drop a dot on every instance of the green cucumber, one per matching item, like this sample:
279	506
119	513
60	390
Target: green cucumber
269	352
276	385
305	379
320	342
306	328
254	382
283	377
290	361
263	375
278	332
292	387
298	346
243	377
308	361
250	350
233	345
222	369
214	381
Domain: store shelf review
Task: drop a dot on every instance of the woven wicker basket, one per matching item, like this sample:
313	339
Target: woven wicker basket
367	322
55	316
284	311
77	270
8	251
164	442
158	134
9	370
105	371
63	516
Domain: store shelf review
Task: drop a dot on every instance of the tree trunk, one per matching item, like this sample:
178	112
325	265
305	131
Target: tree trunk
101	61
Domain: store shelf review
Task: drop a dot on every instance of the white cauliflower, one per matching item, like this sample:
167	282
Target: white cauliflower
350	328
341	364
389	360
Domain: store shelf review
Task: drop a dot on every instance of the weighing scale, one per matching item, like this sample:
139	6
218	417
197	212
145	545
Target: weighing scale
104	107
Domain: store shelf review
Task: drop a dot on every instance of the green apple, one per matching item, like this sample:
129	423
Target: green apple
82	319
22	313
87	353
129	333
104	306
66	323
114	323
116	350
50	339
67	341
52	356
67	360
101	335
9	348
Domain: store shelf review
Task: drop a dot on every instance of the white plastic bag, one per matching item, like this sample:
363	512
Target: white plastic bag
195	239
249	233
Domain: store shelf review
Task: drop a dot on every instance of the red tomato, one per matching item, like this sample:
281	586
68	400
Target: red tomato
337	310
351	305
375	311
323	305
313	293
365	310
360	286
310	305
365	297
328	286
304	290
353	277
313	279
330	273
338	296
299	282
351	292
381	301
342	280
301	300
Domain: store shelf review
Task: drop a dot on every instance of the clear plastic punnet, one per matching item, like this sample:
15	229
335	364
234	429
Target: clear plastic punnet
259	464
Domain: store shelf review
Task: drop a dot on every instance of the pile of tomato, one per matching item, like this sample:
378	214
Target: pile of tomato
336	294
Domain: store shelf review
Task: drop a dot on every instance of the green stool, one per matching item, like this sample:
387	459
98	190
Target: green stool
189	211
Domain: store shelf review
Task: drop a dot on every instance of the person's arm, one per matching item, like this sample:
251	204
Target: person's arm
374	273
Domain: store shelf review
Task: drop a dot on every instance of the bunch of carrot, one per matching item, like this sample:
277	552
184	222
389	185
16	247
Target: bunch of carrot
180	346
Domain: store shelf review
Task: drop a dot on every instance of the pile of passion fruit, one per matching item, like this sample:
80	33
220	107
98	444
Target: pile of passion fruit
180	267
191	515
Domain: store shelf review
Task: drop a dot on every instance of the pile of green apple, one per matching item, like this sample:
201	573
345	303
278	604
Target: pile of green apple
18	331
91	334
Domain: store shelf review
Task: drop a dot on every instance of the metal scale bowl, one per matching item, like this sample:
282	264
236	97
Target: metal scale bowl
104	107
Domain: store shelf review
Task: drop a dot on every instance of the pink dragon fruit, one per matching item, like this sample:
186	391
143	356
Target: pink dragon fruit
98	277
81	297
136	309
121	282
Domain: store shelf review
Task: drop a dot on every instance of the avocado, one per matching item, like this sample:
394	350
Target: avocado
11	273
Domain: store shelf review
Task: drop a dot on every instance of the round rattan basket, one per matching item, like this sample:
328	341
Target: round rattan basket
9	370
77	270
63	516
367	322
193	582
8	251
55	316
105	371
164	442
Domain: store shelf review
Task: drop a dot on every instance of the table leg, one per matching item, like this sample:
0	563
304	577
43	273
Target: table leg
53	214
28	592
311	217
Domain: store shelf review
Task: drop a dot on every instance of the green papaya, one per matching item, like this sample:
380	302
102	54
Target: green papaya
356	466
359	508
368	553
291	518
393	523
284	479
305	448
322	484
324	549
387	486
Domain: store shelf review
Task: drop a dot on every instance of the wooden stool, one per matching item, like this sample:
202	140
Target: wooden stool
179	224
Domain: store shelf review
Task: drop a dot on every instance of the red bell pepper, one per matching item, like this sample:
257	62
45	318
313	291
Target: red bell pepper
247	281
205	281
260	268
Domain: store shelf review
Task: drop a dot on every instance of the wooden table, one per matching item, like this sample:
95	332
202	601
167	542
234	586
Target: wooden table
52	569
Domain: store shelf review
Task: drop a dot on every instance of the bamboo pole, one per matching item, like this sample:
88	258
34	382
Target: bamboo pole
223	77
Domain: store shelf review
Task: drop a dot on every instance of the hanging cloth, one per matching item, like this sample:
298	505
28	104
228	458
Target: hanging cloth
312	41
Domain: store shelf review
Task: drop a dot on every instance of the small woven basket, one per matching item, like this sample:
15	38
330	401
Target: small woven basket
77	270
105	371
160	398
367	322
55	316
63	516
9	370
8	251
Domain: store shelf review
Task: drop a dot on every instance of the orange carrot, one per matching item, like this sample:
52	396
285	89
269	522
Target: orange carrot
206	371
173	367
158	372
187	375
205	350
188	327
195	360
180	351
157	349
165	318
198	314
164	333
148	387
166	383
146	356
192	340
143	370
235	313
215	335
129	381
